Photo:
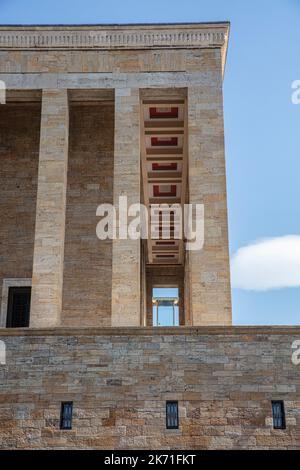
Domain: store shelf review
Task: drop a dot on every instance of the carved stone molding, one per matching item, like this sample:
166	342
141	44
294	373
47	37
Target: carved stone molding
105	37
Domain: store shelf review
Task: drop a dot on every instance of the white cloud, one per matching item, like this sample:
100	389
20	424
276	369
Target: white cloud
272	263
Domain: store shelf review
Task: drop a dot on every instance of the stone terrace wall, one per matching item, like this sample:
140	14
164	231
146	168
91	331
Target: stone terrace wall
119	380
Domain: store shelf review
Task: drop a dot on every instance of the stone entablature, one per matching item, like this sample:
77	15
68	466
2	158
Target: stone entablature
114	36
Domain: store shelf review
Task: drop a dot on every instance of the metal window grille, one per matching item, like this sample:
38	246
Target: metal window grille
66	415
172	417
278	414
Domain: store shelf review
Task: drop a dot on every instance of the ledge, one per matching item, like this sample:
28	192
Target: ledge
105	37
154	331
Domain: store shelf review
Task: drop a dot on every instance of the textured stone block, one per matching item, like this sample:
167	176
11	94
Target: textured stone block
216	411
48	257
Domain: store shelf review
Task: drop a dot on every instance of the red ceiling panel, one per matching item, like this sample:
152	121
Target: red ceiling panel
164	142
164	166
163	113
170	192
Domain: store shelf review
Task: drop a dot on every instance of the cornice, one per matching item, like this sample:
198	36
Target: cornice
114	37
223	331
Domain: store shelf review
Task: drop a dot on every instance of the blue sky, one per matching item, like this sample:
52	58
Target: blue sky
262	124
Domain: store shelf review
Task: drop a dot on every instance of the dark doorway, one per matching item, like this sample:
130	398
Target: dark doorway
18	308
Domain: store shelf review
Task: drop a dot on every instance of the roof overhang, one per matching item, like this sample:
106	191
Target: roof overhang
116	37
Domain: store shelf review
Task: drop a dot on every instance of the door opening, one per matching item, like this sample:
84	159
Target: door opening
18	308
165	306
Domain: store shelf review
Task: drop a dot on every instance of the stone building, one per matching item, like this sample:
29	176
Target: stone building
125	343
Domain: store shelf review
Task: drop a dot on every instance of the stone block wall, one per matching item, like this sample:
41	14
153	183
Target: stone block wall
19	156
88	260
125	61
120	378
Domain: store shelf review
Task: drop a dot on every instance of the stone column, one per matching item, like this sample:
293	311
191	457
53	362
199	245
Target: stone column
126	253
48	258
209	275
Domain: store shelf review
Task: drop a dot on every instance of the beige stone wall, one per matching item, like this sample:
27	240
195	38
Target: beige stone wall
88	260
155	60
19	154
119	380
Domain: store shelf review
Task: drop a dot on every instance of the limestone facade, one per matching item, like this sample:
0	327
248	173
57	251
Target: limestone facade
76	132
78	279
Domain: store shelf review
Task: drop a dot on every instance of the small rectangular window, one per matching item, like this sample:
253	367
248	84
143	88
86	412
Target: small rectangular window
172	418
66	415
278	414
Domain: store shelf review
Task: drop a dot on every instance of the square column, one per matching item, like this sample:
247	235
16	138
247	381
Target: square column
48	258
126	253
208	269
